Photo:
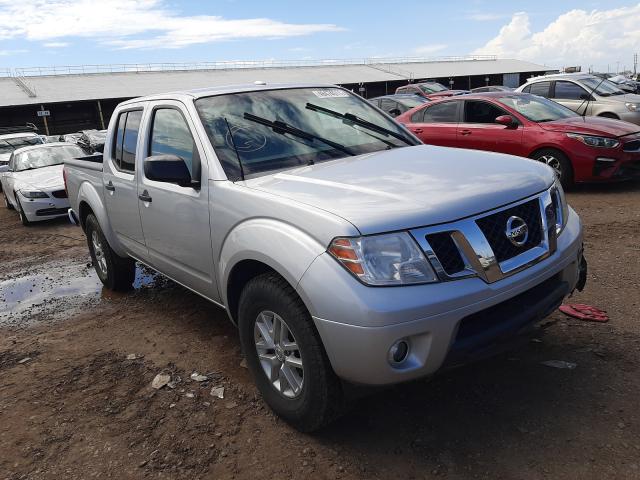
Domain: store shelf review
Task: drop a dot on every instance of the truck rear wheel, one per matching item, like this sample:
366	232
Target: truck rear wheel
116	273
285	355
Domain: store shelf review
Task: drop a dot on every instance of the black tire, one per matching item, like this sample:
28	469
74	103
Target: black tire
116	273
7	204
559	162
320	399
23	218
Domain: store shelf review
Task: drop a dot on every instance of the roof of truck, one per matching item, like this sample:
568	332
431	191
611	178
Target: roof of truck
223	90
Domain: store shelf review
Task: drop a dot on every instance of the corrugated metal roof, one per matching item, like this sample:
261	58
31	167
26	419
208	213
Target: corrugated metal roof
76	87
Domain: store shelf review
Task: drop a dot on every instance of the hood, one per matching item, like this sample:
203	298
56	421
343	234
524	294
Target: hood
592	126
410	187
45	178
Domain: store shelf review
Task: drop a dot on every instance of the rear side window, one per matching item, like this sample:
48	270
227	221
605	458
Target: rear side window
569	91
540	88
446	112
124	150
170	135
481	112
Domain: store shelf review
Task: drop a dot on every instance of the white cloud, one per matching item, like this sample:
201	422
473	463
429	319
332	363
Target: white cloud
6	53
429	49
124	23
577	37
55	44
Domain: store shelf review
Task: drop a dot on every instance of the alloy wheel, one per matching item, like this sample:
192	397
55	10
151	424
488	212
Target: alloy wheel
553	162
279	354
98	251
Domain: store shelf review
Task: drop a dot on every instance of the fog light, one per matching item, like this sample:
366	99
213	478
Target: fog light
398	352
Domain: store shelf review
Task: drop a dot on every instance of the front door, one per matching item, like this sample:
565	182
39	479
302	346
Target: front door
479	130
175	219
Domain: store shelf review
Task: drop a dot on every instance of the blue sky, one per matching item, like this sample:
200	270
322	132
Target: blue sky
70	32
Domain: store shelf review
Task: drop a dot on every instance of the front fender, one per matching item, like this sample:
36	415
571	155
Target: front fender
88	194
283	247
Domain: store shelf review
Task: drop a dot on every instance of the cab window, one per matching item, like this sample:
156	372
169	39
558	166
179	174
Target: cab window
570	91
170	135
126	140
540	88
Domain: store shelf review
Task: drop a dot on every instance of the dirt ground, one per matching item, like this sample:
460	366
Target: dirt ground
78	408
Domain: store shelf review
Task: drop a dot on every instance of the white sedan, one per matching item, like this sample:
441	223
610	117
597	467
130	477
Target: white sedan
34	183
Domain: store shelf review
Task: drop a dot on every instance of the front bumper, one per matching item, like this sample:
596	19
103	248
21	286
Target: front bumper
36	209
358	324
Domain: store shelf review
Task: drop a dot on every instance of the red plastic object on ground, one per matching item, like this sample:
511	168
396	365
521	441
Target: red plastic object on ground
585	312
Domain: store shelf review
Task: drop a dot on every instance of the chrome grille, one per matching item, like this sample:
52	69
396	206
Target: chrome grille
478	246
493	227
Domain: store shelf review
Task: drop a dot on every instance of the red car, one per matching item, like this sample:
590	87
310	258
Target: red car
580	149
429	90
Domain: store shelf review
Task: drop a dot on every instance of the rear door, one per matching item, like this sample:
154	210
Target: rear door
479	131
437	123
120	181
175	219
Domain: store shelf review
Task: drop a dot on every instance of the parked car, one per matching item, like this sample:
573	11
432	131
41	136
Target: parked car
429	90
394	105
626	84
33	185
12	138
586	95
579	149
342	248
492	88
92	141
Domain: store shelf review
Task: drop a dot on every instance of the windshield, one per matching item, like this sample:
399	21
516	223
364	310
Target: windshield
432	87
604	89
46	157
537	109
8	145
256	132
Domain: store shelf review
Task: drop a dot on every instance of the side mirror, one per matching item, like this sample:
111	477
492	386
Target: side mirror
394	112
169	169
506	120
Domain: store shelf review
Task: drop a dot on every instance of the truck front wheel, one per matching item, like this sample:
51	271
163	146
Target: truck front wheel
285	355
116	273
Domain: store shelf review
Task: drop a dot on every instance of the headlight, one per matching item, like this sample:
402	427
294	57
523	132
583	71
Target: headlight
388	259
634	107
603	142
560	207
33	194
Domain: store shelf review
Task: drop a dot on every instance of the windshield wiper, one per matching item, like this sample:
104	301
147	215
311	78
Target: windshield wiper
282	128
358	121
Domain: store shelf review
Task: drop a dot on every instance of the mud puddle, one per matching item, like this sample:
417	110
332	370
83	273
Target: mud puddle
56	290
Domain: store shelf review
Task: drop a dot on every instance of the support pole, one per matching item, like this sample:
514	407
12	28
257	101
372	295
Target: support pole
46	124
101	116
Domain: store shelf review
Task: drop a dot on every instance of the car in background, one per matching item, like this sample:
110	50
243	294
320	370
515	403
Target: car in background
625	83
579	149
395	105
492	88
12	138
34	183
586	95
429	90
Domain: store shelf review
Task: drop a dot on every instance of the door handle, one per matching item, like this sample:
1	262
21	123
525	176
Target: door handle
109	186
465	132
417	130
145	197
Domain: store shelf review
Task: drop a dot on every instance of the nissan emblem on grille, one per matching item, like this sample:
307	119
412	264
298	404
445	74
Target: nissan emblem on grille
517	231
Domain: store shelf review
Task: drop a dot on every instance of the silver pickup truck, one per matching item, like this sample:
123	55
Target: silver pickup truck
344	250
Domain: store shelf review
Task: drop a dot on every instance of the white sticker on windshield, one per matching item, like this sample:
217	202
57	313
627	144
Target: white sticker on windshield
330	93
